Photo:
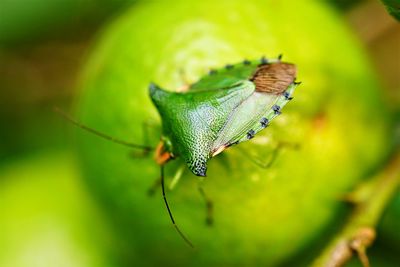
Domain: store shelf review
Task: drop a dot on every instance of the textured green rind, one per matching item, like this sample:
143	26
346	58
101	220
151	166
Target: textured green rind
261	216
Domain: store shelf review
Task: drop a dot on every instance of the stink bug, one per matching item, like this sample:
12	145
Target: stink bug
224	108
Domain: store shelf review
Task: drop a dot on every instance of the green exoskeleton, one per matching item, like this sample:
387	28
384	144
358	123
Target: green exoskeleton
226	107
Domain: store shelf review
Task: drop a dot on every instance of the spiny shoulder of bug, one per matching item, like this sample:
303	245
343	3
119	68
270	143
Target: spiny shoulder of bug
198	124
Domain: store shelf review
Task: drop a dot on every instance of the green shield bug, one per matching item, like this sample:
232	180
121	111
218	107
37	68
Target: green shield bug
226	107
223	108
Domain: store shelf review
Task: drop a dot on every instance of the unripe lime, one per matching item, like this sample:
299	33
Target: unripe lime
262	216
47	217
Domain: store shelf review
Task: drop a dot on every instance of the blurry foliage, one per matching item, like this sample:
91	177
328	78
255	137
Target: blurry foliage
23	21
33	80
390	224
393	7
42	45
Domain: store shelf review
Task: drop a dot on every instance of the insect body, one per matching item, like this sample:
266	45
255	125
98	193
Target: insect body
224	108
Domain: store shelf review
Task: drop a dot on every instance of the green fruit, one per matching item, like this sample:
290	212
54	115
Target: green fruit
46	216
262	216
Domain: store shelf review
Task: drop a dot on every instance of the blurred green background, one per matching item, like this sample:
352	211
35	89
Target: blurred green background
48	215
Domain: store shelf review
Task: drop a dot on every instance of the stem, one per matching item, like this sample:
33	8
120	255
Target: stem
359	232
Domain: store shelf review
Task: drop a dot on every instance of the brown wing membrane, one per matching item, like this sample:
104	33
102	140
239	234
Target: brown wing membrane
274	78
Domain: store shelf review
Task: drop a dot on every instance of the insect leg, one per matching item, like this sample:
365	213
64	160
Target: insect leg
146	125
169	210
209	205
171	186
267	164
154	187
177	177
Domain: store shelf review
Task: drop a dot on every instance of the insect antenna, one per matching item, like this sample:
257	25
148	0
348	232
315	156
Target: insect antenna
169	211
100	134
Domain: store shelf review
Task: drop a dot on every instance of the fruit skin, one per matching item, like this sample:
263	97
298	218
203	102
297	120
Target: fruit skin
262	216
46	215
